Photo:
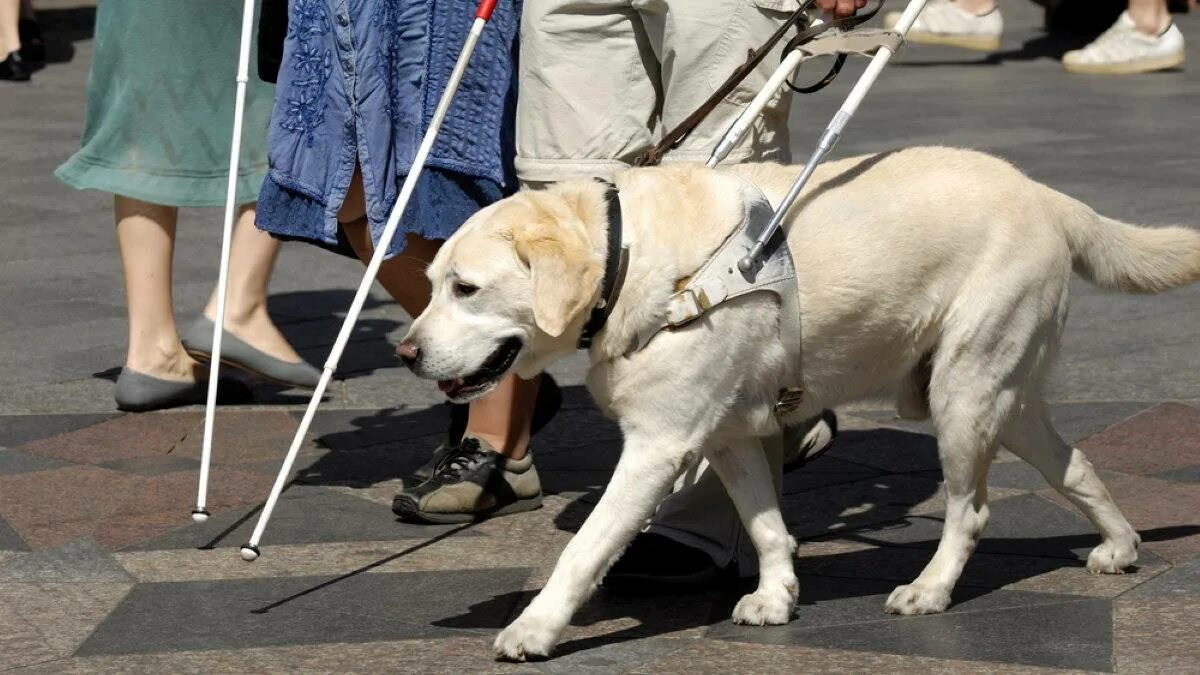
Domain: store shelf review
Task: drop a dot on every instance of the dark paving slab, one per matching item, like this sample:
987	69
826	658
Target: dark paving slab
1188	474
20	429
163	617
80	560
1025	525
611	657
9	539
15	461
303	515
849	506
1160	439
1062	632
1016	475
1182	580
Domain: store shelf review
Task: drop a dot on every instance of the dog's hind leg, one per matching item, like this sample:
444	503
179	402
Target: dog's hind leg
1031	437
747	477
649	465
969	405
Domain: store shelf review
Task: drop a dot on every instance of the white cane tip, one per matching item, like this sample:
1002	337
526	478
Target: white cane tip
249	553
199	516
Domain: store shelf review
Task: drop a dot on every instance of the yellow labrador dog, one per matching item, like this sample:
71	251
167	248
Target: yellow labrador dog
932	275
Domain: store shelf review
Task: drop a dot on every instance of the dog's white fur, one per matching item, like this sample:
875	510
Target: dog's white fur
933	275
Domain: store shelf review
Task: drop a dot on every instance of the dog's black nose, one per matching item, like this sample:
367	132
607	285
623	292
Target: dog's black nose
408	353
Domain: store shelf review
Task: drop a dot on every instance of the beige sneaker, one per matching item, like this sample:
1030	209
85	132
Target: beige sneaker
1123	49
944	23
472	483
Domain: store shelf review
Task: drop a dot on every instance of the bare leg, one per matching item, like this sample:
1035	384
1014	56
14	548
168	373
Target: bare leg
251	259
1150	16
501	418
146	237
979	7
10	39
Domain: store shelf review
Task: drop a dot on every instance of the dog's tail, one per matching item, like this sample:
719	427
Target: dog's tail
1131	258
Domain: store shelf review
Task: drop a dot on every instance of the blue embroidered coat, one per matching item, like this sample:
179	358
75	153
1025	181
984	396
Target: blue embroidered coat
359	83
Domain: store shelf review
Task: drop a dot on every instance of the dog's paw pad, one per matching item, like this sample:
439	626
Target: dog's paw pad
913	599
763	609
523	640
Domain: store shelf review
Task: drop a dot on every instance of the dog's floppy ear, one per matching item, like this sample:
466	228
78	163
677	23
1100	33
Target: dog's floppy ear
566	276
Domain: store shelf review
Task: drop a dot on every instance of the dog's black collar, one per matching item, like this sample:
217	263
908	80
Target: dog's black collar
614	268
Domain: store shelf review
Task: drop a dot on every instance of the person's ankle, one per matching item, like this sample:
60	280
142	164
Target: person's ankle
1151	21
511	446
164	361
976	7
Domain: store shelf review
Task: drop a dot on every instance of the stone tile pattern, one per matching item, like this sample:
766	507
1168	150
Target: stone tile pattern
341	580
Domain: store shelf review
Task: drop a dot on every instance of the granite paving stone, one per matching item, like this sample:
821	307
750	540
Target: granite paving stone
1163	512
1075	633
15	461
718	657
124	437
303	515
48	620
1163	438
1156	634
20	429
80	560
9	539
160	617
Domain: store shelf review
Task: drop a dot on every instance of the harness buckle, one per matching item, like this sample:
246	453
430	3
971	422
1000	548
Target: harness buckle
686	306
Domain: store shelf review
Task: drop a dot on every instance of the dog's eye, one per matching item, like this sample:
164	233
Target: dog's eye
464	290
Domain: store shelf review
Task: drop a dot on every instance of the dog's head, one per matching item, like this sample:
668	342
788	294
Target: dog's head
511	290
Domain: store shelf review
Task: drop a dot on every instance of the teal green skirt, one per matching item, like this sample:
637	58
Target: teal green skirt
160	101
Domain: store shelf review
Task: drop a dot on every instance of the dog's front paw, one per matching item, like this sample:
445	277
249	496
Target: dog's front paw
914	599
1112	557
525	638
764	609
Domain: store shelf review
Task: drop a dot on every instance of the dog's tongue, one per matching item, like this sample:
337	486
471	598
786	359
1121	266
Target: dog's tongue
448	386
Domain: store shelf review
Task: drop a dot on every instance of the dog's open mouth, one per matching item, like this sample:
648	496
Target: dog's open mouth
496	365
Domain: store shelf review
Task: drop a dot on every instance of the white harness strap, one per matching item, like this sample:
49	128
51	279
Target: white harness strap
719	280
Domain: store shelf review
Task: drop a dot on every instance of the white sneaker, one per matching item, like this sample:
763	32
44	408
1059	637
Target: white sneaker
1124	49
944	23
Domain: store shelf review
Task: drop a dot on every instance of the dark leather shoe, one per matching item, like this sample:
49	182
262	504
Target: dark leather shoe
654	561
33	45
15	69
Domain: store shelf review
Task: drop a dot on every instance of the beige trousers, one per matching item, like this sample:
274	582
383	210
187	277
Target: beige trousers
602	80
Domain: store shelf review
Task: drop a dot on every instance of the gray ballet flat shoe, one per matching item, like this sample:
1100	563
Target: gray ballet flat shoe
197	339
139	392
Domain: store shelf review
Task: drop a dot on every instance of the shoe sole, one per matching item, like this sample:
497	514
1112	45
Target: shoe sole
1128	67
981	43
205	357
412	515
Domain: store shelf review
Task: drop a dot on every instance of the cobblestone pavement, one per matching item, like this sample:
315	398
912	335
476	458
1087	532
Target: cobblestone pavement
100	567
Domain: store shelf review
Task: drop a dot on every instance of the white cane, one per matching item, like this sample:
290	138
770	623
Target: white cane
249	551
828	138
200	513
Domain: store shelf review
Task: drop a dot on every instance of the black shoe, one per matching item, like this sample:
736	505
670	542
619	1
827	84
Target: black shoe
545	407
809	440
33	46
653	561
14	68
472	483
